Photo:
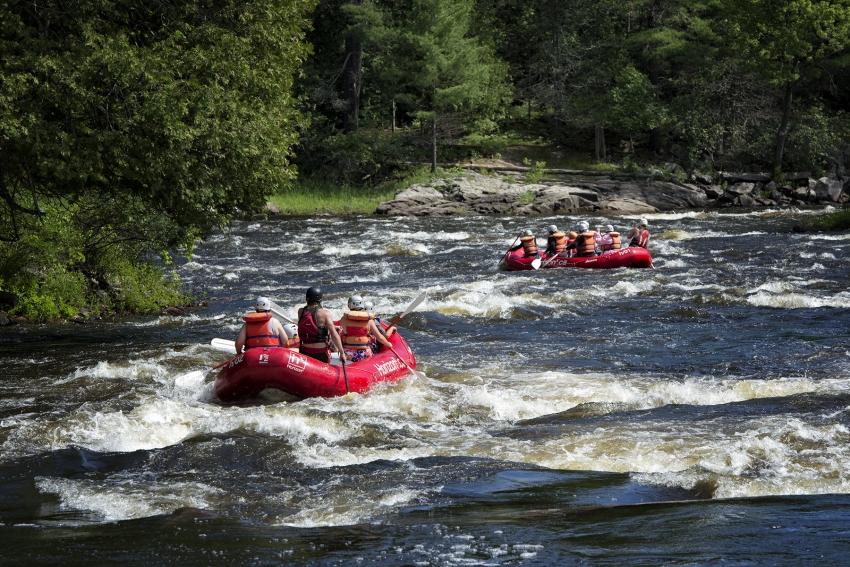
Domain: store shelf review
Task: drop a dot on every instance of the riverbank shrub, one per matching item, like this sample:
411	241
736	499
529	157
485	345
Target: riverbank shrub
834	222
60	268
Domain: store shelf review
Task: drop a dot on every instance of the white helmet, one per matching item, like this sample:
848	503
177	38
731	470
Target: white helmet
644	222
527	232
356	303
609	228
583	226
552	229
369	305
291	329
263	304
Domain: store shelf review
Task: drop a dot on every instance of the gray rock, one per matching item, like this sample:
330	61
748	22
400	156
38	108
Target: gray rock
5	321
667	196
419	194
673	167
713	191
772	186
627	206
744	201
271	208
827	189
741	188
702	179
800	193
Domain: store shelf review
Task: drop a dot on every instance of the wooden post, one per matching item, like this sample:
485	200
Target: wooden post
600	142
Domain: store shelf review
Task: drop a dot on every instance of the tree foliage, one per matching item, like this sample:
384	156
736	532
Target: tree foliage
176	109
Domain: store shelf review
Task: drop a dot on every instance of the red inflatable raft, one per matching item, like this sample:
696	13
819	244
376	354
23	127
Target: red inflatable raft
632	257
283	369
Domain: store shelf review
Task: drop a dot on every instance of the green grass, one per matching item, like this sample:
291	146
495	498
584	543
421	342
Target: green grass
839	220
308	197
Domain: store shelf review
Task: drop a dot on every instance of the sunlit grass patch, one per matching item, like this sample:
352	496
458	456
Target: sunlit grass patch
308	197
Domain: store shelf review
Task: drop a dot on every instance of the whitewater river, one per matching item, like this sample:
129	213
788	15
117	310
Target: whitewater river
696	413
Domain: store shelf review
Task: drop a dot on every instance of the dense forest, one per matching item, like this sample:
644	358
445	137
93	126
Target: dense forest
130	129
711	84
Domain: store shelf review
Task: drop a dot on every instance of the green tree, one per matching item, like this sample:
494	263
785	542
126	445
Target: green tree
787	41
437	68
180	111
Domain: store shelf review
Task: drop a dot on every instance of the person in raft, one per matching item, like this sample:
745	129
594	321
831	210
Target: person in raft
585	243
316	328
359	330
260	328
608	241
370	307
529	245
556	243
293	341
639	235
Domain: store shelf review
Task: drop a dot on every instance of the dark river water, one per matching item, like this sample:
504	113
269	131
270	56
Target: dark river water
694	414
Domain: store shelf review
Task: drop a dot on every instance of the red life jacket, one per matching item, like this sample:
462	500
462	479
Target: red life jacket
641	240
355	334
310	332
259	330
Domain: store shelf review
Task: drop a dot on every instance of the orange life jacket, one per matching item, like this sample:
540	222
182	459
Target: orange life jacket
615	244
259	331
560	241
589	246
355	334
529	246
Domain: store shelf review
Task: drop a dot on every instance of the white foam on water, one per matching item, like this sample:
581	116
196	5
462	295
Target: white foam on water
114	500
777	455
432	236
792	300
347	505
346	251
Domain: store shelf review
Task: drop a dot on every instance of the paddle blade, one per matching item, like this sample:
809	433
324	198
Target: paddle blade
410	308
277	311
414	305
223	345
190	380
536	263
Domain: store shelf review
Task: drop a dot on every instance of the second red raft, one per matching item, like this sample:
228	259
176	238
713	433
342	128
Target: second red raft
631	257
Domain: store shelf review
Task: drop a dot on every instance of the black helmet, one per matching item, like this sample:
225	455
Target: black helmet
314	294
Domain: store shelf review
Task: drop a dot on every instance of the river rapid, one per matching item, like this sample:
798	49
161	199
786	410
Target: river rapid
695	413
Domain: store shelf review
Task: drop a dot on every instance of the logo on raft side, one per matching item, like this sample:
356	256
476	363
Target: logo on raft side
387	367
297	362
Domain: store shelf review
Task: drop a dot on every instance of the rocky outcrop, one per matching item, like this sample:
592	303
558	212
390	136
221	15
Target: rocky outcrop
474	193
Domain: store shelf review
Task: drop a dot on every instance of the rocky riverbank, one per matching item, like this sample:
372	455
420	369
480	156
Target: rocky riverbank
505	193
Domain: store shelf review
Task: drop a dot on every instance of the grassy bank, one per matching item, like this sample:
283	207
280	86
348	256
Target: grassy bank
837	221
309	197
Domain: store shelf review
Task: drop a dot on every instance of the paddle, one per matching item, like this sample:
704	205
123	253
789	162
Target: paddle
277	311
223	345
344	371
410	308
190	378
511	246
419	375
